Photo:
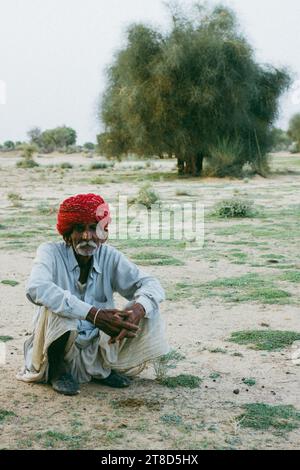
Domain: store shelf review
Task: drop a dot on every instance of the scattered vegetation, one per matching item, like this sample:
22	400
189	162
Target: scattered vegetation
249	381
156	259
270	340
234	208
166	362
5	414
101	165
53	438
66	166
146	196
217	350
262	416
4	339
15	199
10	282
246	288
171	419
27	156
182	380
291	276
250	287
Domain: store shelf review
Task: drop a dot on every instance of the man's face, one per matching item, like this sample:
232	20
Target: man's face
85	240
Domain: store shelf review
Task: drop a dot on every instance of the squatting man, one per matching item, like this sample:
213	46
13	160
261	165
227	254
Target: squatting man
78	334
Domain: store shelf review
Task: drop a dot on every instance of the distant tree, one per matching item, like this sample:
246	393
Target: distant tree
294	130
34	135
280	140
9	145
184	92
58	138
89	146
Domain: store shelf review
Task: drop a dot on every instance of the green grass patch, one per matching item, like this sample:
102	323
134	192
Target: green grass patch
217	351
261	416
215	375
273	256
271	340
4	339
101	166
10	282
166	362
149	243
171	419
271	231
182	380
5	414
248	288
291	276
114	435
53	438
156	259
249	381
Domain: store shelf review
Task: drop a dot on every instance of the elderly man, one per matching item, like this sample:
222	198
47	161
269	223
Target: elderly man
78	334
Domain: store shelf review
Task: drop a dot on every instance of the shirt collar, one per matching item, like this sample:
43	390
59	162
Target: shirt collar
73	263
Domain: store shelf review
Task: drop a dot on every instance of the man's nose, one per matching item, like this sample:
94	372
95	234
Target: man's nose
87	235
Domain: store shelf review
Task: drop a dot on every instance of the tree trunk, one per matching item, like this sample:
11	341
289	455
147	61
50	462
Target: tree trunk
191	167
180	166
199	164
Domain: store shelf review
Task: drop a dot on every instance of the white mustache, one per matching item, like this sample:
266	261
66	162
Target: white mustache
84	244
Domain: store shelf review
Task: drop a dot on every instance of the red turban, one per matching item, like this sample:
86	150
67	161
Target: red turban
81	209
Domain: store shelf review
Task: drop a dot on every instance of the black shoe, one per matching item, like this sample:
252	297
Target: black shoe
115	380
65	384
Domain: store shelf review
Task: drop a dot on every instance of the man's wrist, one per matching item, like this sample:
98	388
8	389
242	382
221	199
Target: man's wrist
92	314
139	309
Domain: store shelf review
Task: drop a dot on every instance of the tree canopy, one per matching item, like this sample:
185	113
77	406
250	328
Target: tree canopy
53	139
194	92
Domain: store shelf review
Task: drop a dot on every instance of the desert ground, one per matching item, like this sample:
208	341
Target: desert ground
244	279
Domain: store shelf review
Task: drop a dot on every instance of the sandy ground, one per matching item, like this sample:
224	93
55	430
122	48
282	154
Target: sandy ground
198	327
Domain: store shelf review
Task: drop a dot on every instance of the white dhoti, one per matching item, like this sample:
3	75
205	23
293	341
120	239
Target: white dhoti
88	354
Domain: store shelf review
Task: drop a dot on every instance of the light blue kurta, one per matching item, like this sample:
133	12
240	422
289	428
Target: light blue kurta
53	284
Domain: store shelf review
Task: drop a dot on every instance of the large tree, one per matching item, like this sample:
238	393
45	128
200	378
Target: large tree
195	92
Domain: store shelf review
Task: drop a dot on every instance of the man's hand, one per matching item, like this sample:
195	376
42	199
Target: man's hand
113	322
133	315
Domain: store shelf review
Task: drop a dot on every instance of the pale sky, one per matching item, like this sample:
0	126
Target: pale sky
53	55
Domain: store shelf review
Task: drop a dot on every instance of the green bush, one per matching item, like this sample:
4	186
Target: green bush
234	207
146	196
89	146
101	166
27	163
225	159
66	165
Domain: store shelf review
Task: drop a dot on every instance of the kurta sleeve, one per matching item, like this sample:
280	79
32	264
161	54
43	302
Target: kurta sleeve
42	290
133	284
